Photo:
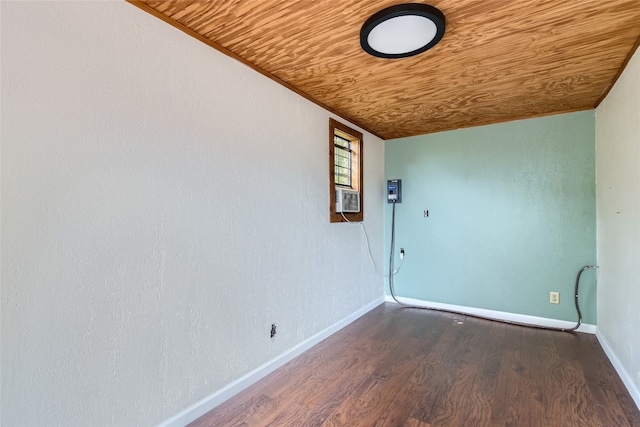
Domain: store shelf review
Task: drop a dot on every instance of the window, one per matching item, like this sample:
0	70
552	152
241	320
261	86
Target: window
345	167
342	160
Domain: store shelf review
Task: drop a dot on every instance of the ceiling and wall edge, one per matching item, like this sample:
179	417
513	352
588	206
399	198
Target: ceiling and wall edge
148	9
225	51
619	73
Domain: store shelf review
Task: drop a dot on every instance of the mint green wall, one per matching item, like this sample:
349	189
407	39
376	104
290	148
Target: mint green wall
511	215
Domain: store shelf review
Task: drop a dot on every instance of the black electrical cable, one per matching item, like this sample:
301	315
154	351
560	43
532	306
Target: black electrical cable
526	325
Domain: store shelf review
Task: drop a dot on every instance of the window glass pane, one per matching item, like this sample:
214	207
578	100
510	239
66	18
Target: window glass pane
344	161
343	176
341	142
343	180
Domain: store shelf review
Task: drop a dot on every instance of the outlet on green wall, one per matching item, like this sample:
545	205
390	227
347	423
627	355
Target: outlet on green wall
512	215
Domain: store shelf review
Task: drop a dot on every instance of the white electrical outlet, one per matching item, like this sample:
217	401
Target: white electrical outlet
554	297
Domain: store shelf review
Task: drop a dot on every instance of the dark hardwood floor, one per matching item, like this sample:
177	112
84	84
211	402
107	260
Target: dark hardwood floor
416	368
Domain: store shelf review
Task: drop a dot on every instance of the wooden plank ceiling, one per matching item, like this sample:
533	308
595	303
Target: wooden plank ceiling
499	60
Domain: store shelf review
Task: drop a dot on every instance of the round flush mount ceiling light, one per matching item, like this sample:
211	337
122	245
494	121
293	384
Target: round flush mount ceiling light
402	30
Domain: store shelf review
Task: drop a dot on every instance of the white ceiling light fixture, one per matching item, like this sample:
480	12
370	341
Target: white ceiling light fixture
402	30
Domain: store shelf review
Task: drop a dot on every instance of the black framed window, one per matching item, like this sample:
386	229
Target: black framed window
342	161
345	168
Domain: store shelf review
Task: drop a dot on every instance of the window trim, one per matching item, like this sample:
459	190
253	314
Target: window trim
357	178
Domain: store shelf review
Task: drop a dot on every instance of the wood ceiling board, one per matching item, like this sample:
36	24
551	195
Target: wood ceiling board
499	60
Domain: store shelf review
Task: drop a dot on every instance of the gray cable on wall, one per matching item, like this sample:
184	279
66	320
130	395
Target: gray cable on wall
527	325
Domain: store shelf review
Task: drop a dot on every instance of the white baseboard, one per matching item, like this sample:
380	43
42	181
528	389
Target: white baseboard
497	315
208	403
627	380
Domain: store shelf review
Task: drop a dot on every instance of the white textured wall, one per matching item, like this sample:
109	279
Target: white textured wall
618	217
162	205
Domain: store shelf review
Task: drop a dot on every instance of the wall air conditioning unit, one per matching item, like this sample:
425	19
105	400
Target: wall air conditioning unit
347	200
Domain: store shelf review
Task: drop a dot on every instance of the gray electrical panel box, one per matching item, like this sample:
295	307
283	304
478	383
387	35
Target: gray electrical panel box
394	191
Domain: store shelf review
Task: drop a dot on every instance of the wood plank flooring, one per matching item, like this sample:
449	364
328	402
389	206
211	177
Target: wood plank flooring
416	368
